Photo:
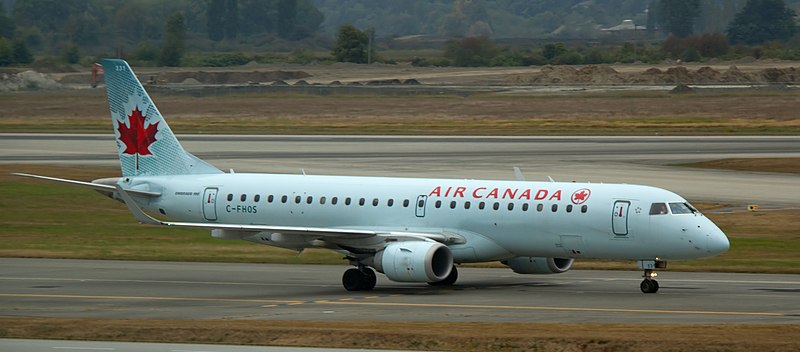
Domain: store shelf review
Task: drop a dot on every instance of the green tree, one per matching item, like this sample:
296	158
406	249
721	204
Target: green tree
677	16
351	45
174	43
287	15
21	53
6	53
231	19
762	21
72	54
7	27
471	51
551	51
215	23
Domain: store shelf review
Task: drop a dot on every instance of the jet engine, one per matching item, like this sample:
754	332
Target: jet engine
539	265
414	261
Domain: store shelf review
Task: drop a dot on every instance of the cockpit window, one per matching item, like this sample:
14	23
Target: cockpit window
682	208
658	209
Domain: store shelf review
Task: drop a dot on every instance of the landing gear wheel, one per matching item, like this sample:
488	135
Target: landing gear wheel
359	279
371	279
449	280
649	286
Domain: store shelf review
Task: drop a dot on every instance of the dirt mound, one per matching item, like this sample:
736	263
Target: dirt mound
27	80
230	77
674	75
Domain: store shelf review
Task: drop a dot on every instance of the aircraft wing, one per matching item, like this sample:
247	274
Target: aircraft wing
324	232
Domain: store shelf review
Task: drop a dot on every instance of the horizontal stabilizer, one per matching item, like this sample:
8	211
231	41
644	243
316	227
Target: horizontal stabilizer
97	186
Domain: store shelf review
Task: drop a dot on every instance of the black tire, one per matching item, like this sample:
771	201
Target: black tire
353	280
370	279
450	280
649	286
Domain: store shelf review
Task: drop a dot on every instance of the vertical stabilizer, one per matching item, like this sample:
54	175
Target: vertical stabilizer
146	144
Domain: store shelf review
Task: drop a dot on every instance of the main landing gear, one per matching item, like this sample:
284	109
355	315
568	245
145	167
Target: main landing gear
649	284
449	280
361	279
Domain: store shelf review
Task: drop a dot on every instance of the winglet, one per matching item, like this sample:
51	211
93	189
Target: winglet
518	174
135	209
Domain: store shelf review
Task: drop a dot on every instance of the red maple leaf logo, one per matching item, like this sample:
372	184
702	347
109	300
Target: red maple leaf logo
137	138
580	196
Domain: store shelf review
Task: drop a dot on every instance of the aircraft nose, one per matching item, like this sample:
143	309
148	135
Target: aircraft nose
718	243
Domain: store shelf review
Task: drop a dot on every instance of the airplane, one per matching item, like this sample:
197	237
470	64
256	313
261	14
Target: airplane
410	229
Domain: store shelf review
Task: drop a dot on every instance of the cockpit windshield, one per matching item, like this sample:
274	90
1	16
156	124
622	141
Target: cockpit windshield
682	208
674	208
658	209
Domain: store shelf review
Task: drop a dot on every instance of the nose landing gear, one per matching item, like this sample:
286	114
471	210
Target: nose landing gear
649	284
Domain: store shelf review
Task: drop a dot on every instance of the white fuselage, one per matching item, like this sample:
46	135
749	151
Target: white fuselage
496	219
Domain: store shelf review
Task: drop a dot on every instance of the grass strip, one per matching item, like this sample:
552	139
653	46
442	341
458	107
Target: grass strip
450	336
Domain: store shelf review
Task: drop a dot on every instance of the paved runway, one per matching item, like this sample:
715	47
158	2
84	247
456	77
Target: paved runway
639	160
129	290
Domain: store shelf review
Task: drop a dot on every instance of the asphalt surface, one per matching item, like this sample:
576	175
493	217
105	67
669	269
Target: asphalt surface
636	160
175	290
56	345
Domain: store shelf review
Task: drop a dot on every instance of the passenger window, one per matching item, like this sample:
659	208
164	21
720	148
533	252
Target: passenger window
405	203
584	208
496	206
510	206
298	199
466	205
321	200
438	204
421	203
569	208
334	200
270	198
375	202
481	205
658	209
347	201
230	197
309	199
539	207
256	198
390	202
361	201
452	204
243	197
525	207
284	199
554	208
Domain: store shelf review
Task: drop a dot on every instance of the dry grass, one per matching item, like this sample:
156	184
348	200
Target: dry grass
785	165
419	336
488	114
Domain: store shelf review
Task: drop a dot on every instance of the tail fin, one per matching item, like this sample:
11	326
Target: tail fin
146	144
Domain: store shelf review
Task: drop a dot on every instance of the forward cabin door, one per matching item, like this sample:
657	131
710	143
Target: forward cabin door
210	204
619	217
421	201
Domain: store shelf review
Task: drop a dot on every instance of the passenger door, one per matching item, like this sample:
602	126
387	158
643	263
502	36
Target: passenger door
210	204
619	217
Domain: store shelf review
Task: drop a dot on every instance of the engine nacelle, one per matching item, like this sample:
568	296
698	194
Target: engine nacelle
414	261
539	265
